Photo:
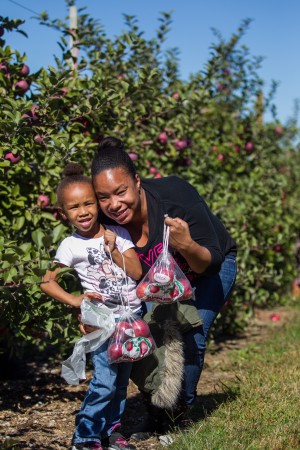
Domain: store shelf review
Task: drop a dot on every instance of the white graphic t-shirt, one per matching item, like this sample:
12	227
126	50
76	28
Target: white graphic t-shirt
96	271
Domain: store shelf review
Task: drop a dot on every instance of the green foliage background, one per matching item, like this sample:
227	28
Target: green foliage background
208	130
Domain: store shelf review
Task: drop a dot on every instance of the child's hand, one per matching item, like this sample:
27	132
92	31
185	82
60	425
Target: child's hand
109	241
77	300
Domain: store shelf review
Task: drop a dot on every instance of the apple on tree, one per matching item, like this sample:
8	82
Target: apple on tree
13	158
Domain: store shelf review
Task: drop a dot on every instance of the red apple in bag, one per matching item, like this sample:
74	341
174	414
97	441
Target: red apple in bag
141	288
114	351
140	328
187	289
123	331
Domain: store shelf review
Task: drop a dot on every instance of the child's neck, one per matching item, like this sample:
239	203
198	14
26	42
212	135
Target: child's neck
96	232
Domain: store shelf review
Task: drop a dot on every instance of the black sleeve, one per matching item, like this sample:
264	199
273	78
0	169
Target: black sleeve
202	230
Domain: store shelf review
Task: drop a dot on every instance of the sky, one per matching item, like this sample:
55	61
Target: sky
273	34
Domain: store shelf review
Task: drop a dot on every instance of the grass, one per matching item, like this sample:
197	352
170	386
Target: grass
261	410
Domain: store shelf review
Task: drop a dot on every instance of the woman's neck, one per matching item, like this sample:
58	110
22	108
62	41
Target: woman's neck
139	226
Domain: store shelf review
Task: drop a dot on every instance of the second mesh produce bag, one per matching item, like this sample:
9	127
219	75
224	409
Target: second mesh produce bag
164	282
131	340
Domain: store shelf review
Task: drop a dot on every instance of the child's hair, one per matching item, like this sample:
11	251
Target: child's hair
72	173
111	155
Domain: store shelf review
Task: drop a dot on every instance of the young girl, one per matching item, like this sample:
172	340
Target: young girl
87	251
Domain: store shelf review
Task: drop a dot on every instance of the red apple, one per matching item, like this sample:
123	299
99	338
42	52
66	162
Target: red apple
187	289
43	200
13	158
175	292
153	170
141	288
180	144
122	327
249	146
133	156
214	148
64	91
158	175
38	139
25	70
176	95
114	351
278	130
22	86
275	317
220	157
154	289
3	67
141	328
163	138
277	248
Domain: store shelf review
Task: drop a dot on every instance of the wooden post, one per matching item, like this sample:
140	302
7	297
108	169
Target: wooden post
259	109
73	29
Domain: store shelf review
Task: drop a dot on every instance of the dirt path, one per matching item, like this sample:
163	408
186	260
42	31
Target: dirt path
38	412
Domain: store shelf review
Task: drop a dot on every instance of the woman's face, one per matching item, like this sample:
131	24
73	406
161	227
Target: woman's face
118	194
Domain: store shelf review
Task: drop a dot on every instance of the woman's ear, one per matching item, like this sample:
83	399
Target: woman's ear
138	182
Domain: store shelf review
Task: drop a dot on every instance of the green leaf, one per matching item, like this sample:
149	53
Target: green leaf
37	237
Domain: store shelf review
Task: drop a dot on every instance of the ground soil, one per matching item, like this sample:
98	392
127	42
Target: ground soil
38	409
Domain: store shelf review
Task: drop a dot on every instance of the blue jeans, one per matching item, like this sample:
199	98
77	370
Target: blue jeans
105	399
210	296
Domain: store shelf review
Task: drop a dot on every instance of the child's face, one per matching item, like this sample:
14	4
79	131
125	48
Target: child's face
80	207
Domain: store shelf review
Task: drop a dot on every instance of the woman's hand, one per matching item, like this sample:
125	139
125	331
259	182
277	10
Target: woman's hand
180	237
197	256
109	241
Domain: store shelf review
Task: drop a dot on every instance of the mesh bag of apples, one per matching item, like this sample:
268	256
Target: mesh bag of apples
164	282
131	340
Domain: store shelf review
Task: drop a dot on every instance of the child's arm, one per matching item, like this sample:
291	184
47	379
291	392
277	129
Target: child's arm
132	263
51	287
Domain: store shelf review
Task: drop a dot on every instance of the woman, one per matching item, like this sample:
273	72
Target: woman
198	240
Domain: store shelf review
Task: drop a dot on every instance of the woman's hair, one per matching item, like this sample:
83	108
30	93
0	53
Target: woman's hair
111	155
72	173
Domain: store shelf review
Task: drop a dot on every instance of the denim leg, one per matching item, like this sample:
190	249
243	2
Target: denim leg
117	405
210	296
91	419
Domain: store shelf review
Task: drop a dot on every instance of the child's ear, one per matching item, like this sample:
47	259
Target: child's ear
62	214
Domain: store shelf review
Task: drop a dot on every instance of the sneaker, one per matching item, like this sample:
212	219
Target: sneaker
87	446
117	442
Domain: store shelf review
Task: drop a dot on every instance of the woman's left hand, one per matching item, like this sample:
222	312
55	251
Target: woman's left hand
180	236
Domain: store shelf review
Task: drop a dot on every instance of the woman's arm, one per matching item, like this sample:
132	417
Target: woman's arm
197	256
51	287
132	263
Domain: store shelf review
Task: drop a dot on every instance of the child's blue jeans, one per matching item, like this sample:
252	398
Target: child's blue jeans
105	399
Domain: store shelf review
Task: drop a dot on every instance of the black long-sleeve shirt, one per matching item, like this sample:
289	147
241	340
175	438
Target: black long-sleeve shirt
177	198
